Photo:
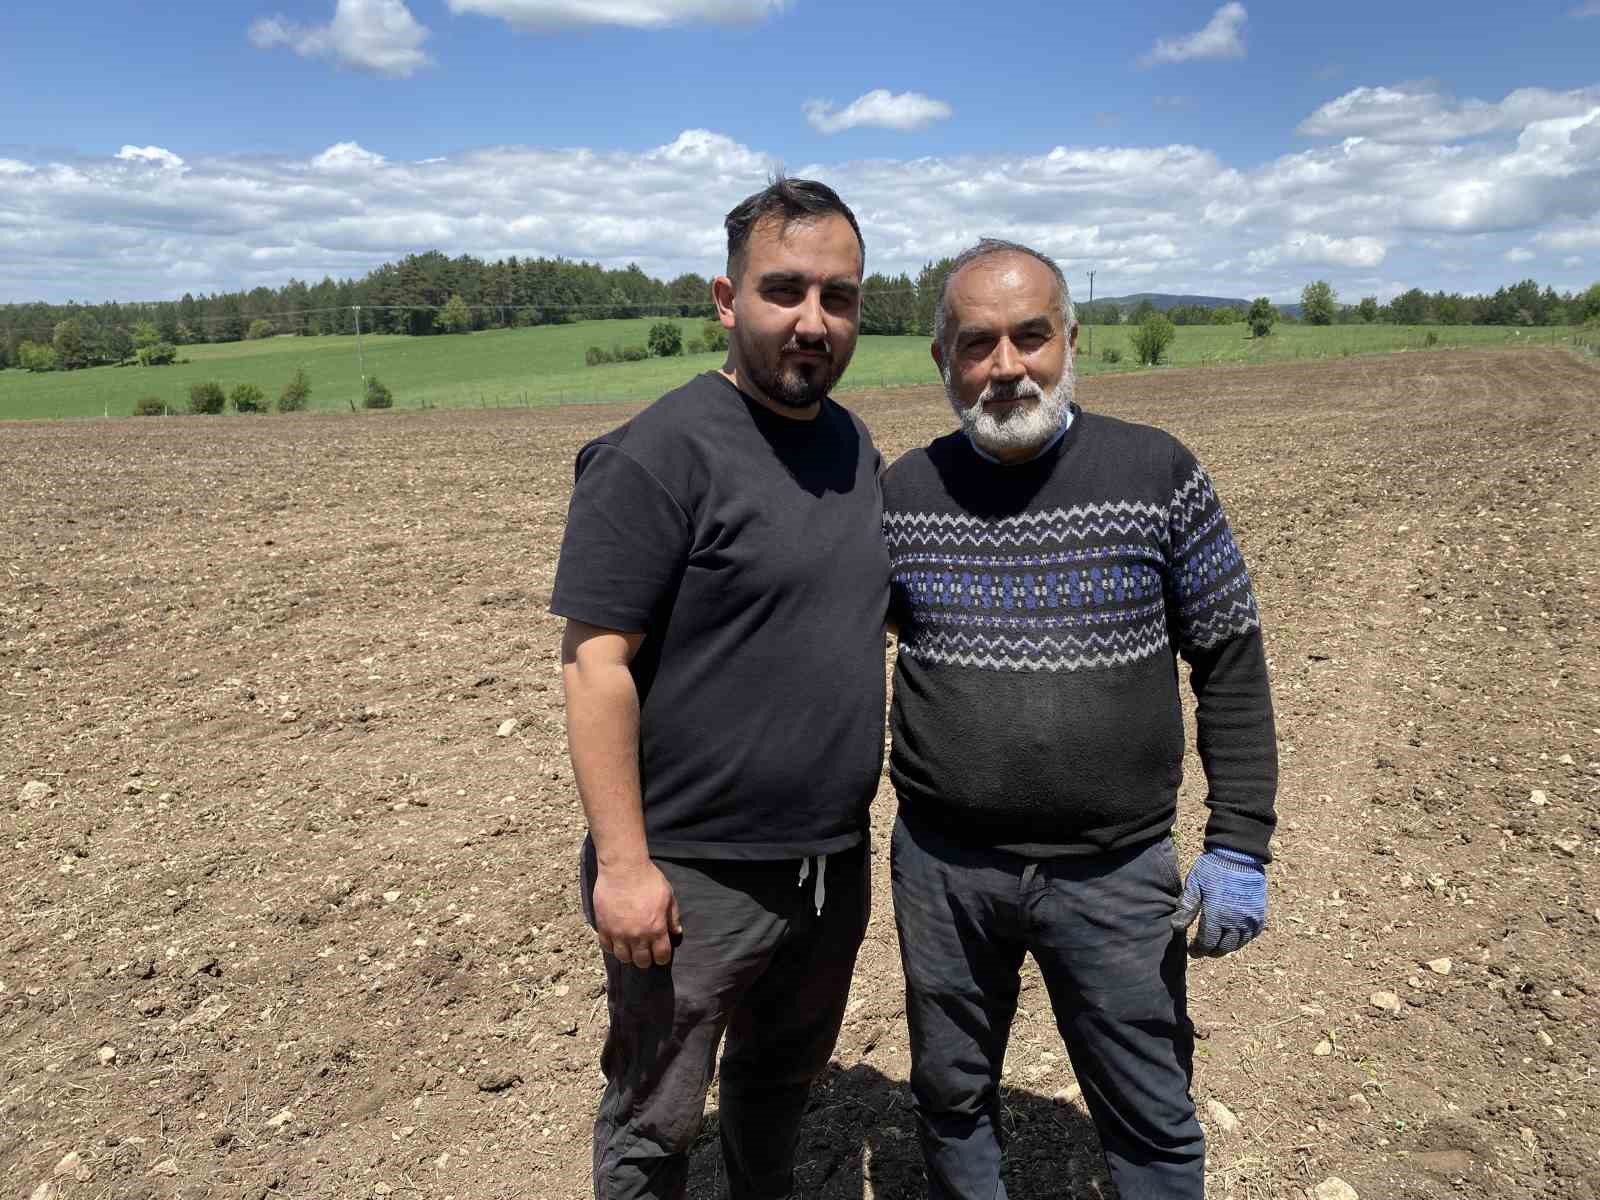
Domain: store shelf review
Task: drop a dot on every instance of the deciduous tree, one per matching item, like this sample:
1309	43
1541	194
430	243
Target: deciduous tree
1319	303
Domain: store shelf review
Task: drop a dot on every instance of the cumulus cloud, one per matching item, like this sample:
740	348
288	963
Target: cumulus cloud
1576	237
1520	254
350	156
380	36
541	15
151	154
1318	249
1420	114
877	109
1222	37
1175	218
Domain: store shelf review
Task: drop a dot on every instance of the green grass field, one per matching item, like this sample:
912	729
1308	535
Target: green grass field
544	365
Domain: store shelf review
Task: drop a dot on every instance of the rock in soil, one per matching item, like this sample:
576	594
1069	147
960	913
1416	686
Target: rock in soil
1222	1116
1334	1188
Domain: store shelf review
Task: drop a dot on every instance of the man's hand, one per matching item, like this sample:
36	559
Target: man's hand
1227	890
636	914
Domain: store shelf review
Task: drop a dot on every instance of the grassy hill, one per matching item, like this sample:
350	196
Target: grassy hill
544	365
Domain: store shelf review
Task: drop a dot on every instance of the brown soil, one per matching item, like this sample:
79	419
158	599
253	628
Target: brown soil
327	920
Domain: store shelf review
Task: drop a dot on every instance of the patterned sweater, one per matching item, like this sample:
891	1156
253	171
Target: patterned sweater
1041	608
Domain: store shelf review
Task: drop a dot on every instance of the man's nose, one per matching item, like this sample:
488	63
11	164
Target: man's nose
1006	363
809	325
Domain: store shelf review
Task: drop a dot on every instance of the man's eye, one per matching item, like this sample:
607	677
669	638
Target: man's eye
783	295
1030	342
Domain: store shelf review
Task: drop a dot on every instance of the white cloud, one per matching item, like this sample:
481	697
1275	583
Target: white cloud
877	109
1161	217
1520	254
380	36
1221	38
1578	237
1591	9
350	156
151	154
537	15
1419	114
1318	249
1572	260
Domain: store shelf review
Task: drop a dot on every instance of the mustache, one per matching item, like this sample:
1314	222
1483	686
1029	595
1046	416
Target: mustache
796	346
1007	393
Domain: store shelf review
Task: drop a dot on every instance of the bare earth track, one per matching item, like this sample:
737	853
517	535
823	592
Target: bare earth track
292	921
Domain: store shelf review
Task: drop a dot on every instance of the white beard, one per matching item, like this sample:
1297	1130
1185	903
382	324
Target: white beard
1025	426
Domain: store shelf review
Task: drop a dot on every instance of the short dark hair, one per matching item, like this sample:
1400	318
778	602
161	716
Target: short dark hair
788	200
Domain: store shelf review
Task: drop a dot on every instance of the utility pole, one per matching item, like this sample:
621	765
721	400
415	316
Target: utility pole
360	352
1091	314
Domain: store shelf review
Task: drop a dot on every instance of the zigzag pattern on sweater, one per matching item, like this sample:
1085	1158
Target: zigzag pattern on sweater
1060	558
1018	662
1129	518
1098	585
1062	652
1239	617
1192	498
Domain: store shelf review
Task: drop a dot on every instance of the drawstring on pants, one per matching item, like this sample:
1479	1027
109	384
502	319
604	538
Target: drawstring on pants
819	892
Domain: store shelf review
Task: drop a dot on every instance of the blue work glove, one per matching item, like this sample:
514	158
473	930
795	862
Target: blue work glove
1227	890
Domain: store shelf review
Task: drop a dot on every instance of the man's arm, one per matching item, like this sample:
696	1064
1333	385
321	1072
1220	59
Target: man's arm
1217	630
635	912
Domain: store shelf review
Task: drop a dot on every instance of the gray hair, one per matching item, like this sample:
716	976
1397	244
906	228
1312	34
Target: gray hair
988	248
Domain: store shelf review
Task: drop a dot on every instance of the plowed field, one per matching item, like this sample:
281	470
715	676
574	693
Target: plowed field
283	916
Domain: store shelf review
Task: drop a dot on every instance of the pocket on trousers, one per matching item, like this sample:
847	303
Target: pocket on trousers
586	873
1169	856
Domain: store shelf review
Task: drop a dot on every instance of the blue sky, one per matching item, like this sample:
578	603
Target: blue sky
1233	149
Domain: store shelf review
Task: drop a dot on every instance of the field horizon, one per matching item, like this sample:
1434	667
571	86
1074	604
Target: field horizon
544	365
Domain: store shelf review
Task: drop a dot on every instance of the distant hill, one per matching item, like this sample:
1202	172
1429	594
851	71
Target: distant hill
1162	301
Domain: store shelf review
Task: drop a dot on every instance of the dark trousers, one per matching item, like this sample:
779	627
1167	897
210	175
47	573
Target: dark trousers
1099	929
757	963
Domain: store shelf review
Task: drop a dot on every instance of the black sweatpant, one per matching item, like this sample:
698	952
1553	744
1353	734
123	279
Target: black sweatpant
756	962
1100	929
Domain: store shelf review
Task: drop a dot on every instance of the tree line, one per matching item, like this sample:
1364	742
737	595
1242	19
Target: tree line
433	293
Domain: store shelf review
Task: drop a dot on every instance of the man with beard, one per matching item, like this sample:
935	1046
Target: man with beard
725	583
1047	565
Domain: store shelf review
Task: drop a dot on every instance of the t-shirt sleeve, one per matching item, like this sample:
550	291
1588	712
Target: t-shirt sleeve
625	545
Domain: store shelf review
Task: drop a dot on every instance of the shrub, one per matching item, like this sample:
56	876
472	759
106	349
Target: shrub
260	328
1431	340
248	398
160	354
595	355
206	398
714	336
295	393
378	396
1151	339
35	357
634	354
1111	354
149	406
666	339
695	346
1261	316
